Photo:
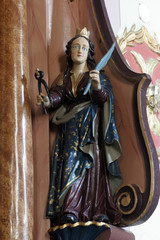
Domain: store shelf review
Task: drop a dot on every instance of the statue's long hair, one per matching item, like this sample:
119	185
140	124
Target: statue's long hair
90	60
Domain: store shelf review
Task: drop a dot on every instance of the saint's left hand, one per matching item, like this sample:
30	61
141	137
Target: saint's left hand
94	74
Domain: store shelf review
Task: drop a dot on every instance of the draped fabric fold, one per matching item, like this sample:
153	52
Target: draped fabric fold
75	144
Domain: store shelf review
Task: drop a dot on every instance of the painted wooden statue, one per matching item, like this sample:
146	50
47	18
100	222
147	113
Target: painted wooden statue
84	171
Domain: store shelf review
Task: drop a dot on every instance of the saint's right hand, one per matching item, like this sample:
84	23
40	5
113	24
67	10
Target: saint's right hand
42	98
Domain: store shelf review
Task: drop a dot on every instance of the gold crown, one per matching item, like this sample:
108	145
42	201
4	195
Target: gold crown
83	32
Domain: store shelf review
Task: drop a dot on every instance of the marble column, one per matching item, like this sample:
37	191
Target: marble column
16	166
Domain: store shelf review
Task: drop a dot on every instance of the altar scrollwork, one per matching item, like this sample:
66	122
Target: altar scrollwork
139	36
139	162
128	199
130	39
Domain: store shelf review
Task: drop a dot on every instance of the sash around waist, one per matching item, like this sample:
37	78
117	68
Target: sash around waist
62	116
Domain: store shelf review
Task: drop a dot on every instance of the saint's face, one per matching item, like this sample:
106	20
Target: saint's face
79	50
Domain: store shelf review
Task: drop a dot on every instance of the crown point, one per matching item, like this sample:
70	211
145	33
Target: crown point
83	32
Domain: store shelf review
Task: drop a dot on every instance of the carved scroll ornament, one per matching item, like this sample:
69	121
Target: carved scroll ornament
152	96
135	199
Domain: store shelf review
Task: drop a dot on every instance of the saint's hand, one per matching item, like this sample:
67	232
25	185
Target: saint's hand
94	74
42	98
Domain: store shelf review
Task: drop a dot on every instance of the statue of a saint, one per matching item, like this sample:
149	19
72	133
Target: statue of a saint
87	147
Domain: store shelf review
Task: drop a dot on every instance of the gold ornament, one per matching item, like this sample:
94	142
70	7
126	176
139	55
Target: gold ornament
139	37
153	92
83	32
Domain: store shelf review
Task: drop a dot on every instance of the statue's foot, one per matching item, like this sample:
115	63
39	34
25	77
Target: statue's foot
102	218
68	218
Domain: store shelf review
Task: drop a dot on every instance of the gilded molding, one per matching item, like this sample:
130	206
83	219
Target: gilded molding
134	210
148	67
124	199
139	37
158	152
128	39
84	224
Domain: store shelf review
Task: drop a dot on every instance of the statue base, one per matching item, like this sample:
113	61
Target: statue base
114	233
89	231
